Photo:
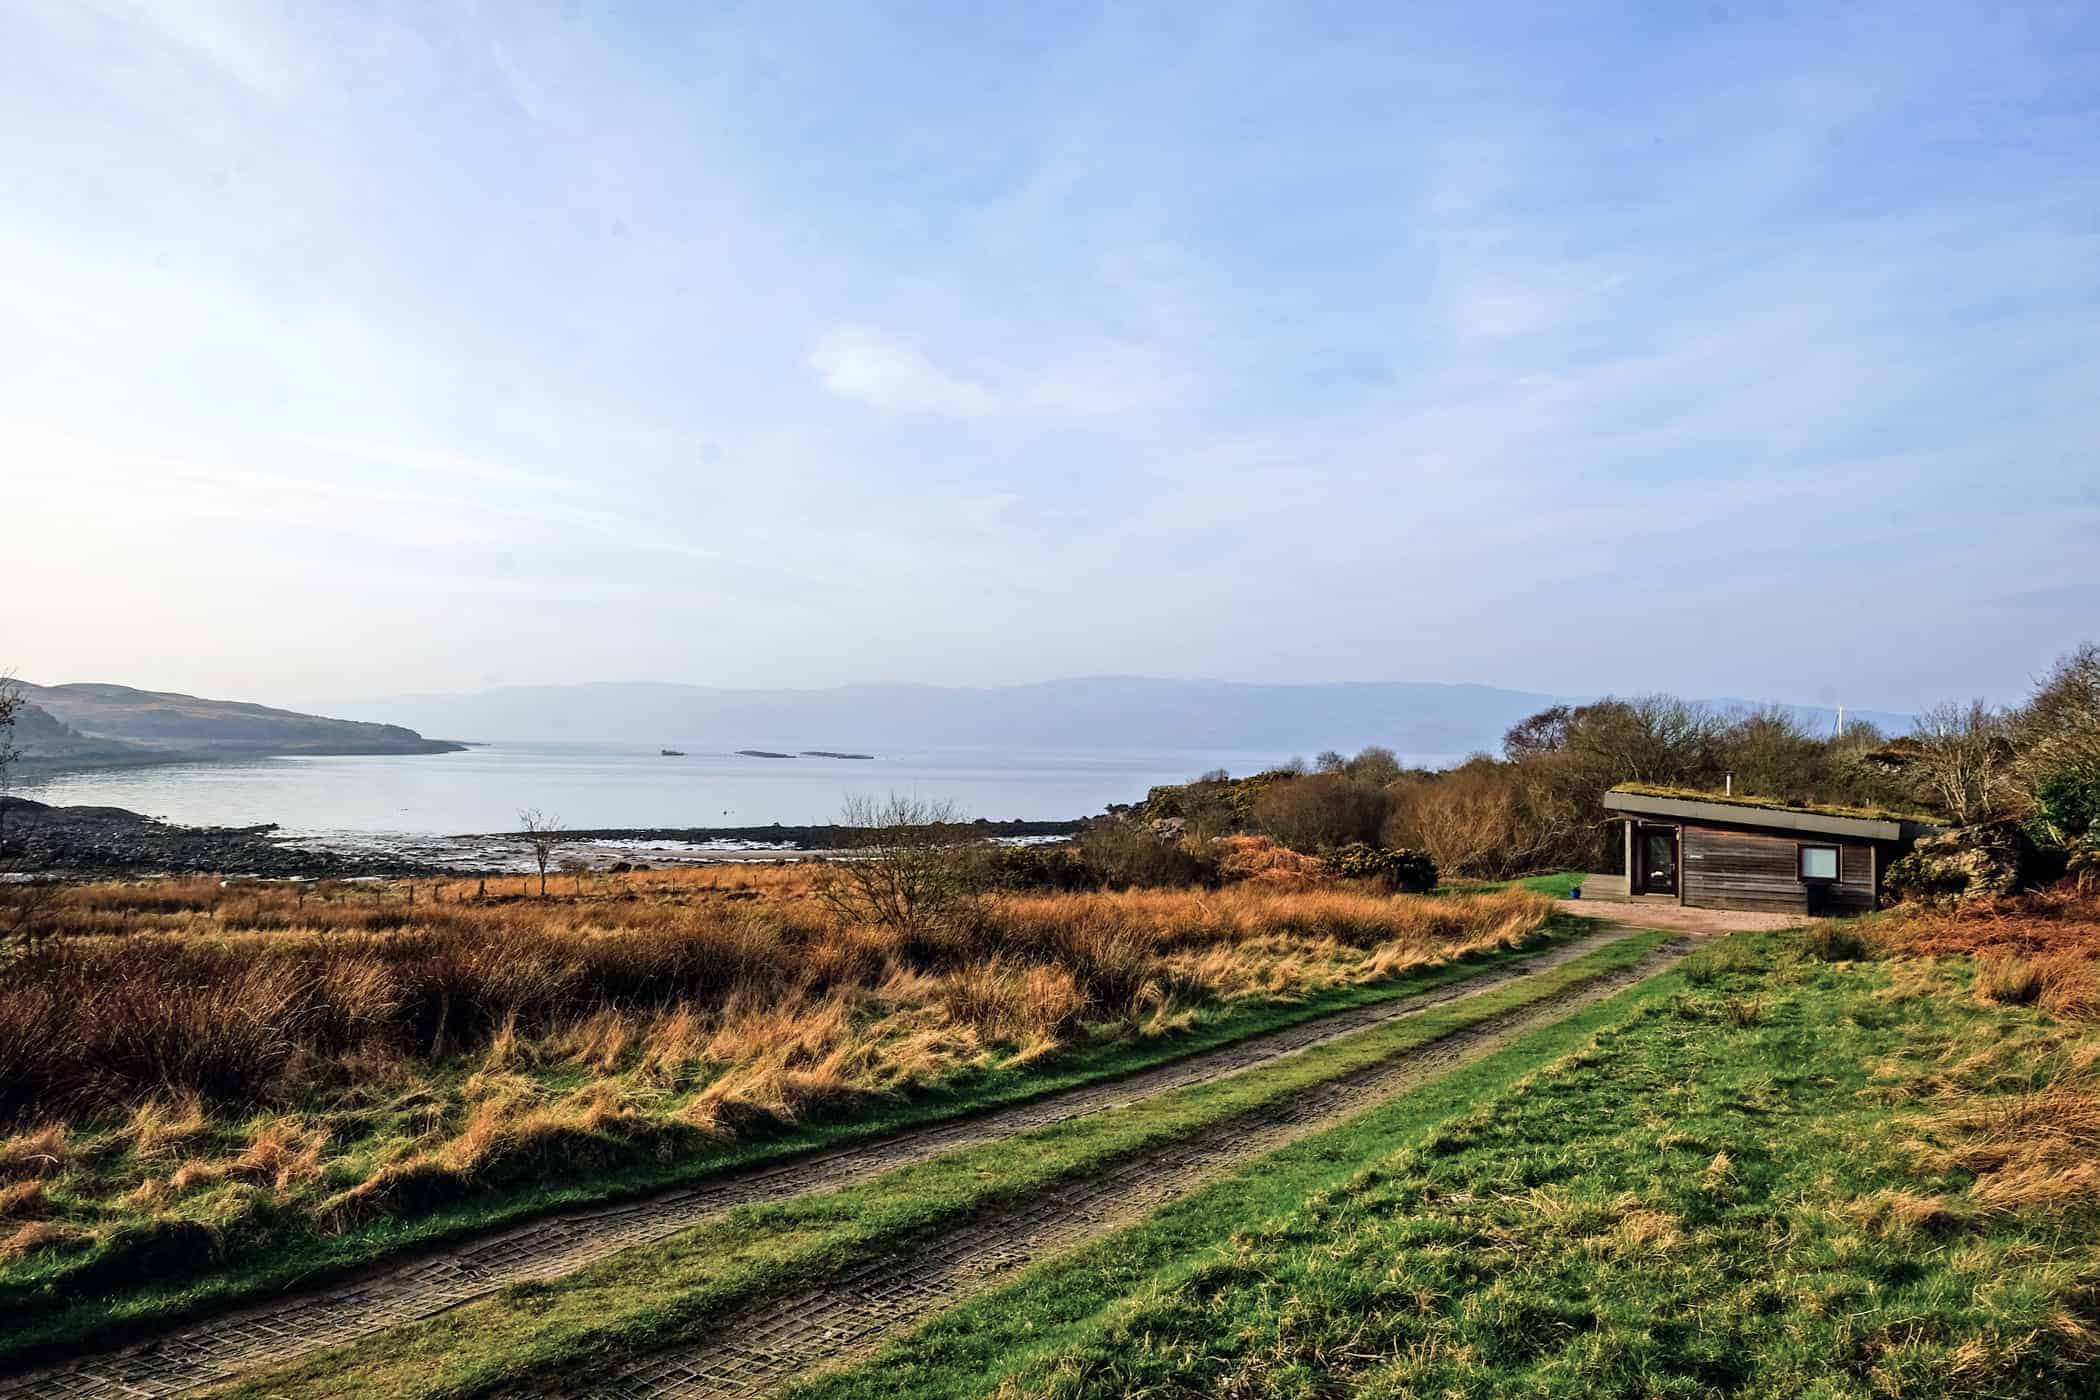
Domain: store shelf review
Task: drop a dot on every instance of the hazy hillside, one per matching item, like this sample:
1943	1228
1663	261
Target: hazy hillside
164	724
1111	712
43	741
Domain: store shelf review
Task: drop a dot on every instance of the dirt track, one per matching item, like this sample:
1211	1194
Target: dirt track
758	1349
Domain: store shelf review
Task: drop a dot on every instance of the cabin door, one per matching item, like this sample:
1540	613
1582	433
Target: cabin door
1655	848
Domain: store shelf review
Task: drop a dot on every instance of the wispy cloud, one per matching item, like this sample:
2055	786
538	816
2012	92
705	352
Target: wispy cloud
886	372
233	40
434	462
860	362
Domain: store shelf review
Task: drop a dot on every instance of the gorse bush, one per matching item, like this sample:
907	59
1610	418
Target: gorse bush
2067	802
995	868
1126	855
1409	872
2057	734
1112	856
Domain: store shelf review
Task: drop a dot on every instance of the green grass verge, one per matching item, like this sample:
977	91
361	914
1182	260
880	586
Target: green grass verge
1558	885
646	1297
1701	1187
62	1304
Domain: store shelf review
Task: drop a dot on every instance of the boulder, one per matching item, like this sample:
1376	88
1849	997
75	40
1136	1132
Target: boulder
1965	866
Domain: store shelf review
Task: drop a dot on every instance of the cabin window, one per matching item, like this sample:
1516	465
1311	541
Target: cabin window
1819	862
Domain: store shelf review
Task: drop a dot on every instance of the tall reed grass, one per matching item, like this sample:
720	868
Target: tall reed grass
360	1049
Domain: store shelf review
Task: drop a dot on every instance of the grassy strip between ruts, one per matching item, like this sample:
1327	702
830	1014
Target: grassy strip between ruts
1707	1185
35	1327
646	1298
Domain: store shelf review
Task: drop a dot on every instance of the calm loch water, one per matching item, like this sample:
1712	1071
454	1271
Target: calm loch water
610	785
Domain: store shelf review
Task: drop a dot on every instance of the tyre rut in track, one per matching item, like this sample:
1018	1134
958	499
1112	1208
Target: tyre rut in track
405	1291
757	1349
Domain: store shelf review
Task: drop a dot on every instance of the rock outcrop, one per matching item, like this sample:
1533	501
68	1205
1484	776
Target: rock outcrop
1969	865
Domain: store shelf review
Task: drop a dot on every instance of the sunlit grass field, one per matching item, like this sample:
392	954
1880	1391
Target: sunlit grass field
212	1088
1812	1164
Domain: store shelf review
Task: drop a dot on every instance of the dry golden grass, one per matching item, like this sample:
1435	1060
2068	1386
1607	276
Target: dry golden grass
1270	862
2062	920
39	1235
2027	1151
361	1049
1897	1212
21	1200
2015	1107
35	1153
2040	949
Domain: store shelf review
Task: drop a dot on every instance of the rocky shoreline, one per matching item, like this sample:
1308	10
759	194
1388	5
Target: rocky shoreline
37	839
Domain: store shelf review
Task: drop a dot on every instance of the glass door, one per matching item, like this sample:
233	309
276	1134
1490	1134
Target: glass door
1657	851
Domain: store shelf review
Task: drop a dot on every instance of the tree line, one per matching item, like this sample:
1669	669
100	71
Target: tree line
1539	804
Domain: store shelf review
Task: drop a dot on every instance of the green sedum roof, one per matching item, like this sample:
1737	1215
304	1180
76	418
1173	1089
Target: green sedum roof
1777	804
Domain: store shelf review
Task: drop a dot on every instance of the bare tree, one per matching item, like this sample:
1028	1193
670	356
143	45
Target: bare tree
1375	763
1321	810
11	702
23	902
1962	757
542	834
902	867
1468	821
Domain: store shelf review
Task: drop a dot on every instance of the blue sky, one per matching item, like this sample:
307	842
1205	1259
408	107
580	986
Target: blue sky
1749	351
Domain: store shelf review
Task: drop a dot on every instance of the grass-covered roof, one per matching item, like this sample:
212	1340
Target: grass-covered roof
1779	804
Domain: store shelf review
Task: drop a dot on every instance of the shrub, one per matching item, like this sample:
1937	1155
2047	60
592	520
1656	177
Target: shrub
1215	803
1042	867
1125	855
2068	802
1323	811
1469	820
1407	871
905	865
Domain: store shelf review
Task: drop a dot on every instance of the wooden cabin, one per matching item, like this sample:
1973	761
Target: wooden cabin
1717	851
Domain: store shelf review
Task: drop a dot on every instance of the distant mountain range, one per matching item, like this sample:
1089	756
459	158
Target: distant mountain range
97	725
1098	713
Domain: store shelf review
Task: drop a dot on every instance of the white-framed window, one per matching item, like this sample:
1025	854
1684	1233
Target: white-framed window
1819	862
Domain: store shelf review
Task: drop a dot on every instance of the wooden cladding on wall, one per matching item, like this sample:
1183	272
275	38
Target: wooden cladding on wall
1727	869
